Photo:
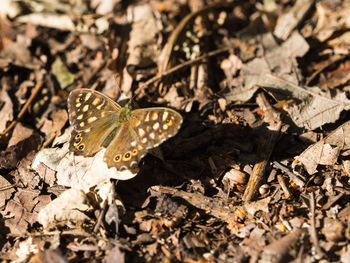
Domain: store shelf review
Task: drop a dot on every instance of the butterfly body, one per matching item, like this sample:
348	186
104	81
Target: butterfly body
126	134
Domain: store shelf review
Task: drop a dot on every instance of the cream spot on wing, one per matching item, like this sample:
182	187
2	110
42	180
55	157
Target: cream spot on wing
165	115
133	143
87	96
92	119
78	105
82	124
169	123
73	113
103	114
85	108
156	126
138	122
144	140
154	116
152	135
87	130
95	101
165	127
147	117
139	147
80	116
141	132
100	106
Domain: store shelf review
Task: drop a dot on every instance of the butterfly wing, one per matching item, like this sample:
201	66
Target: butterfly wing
153	126
124	152
94	119
146	128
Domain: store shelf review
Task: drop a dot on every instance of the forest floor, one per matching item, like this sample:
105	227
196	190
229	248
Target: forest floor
254	168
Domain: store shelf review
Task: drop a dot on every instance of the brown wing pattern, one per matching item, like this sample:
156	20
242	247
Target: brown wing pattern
94	117
147	128
153	126
96	123
124	152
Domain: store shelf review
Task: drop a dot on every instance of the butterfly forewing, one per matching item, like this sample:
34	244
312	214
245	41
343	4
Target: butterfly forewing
85	105
152	126
93	117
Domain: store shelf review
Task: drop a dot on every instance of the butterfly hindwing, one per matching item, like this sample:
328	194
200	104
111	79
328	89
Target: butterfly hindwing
146	128
124	152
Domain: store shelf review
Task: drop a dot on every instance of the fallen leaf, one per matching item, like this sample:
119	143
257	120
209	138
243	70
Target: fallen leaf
71	205
62	74
326	151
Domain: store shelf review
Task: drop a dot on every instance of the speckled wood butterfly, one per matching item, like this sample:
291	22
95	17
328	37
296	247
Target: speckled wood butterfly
127	134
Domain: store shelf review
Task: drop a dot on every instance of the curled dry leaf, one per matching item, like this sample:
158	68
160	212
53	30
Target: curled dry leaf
326	151
287	22
77	171
277	250
312	108
59	119
6	191
6	112
20	133
65	22
142	45
71	205
333	230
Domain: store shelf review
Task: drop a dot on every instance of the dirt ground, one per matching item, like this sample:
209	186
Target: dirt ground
174	131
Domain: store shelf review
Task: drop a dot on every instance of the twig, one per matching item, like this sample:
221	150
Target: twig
314	94
6	187
35	92
180	28
313	232
287	193
104	207
180	66
52	233
292	176
258	173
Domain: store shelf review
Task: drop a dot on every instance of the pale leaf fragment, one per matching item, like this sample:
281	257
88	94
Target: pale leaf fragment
287	22
6	191
77	171
62	74
142	46
6	112
326	151
71	205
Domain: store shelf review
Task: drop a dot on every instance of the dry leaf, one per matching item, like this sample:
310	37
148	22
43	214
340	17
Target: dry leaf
326	151
71	205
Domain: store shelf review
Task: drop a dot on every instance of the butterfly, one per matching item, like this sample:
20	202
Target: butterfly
126	134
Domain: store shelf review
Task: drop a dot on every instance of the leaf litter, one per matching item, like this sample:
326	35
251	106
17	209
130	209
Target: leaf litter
259	170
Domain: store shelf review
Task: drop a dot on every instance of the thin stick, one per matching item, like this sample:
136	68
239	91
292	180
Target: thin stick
180	66
313	232
104	207
35	92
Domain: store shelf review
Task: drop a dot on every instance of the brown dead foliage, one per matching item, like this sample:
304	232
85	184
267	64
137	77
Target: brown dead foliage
259	170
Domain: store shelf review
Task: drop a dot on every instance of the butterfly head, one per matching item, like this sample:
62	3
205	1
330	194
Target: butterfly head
124	113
